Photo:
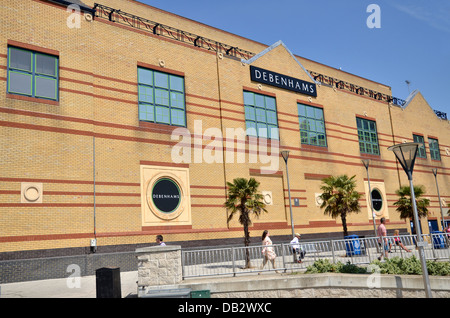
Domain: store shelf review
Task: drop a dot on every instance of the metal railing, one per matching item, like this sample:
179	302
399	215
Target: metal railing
130	20
235	260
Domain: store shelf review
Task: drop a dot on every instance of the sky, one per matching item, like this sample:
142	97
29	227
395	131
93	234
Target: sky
409	39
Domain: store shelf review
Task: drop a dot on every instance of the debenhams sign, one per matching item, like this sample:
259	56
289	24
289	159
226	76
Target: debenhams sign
282	81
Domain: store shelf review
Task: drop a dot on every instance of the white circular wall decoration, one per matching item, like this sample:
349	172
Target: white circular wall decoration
31	192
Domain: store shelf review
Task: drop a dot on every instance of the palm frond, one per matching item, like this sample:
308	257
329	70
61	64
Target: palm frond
405	206
339	197
243	197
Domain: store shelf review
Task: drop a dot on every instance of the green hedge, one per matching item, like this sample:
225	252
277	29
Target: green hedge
395	265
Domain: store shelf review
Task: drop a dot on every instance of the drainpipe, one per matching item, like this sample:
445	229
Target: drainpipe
393	142
221	127
94	241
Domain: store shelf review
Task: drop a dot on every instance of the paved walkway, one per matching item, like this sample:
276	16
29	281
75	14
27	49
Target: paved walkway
66	287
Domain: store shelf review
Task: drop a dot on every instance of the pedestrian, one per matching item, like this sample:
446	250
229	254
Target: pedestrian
398	242
382	240
159	240
297	249
447	231
268	251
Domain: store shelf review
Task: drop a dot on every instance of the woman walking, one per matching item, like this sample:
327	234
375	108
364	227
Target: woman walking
268	251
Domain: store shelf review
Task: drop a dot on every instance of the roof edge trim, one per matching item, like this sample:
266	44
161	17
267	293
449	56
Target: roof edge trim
270	48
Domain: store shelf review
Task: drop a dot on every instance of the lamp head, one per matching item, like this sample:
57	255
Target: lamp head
285	154
434	171
366	162
406	155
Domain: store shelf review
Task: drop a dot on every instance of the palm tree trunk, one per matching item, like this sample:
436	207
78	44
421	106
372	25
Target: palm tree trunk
344	223
247	243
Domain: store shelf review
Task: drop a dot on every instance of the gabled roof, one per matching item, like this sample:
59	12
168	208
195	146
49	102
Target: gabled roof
410	98
270	48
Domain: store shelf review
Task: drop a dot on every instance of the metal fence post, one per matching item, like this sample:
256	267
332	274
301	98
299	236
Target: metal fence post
367	248
332	250
233	260
432	246
282	253
182	264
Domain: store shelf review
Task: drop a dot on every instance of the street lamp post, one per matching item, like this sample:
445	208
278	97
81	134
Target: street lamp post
285	154
366	163
406	156
439	197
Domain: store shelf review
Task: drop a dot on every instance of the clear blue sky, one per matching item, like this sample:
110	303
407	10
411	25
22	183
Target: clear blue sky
412	44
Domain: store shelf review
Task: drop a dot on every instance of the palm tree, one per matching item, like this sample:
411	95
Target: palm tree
404	206
243	197
340	198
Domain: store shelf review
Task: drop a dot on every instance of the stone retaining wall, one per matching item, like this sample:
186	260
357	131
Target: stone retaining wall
320	285
159	265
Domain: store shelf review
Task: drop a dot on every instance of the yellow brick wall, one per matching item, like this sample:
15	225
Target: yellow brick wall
421	120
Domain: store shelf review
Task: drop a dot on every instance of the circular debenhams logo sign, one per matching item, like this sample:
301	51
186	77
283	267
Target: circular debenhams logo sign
166	195
165	198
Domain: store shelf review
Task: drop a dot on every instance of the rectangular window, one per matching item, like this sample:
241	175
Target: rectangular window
367	135
161	97
434	149
312	125
32	74
421	152
261	115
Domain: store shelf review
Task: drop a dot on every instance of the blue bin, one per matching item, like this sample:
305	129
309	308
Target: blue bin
438	240
353	245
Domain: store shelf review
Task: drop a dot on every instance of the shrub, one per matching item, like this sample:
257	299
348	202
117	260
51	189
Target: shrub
438	268
324	266
399	266
393	266
350	269
321	266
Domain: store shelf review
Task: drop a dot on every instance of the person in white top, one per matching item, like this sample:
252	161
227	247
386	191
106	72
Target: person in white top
296	248
159	240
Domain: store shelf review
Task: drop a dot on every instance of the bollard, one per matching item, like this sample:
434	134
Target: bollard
108	282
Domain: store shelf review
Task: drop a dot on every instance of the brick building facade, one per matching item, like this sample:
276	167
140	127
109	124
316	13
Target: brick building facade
97	104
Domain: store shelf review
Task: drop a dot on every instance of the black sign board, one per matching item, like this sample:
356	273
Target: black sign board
282	81
166	195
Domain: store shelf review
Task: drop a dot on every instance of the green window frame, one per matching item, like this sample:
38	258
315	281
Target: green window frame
161	97
261	115
32	74
434	149
421	152
368	137
312	125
